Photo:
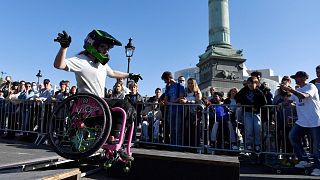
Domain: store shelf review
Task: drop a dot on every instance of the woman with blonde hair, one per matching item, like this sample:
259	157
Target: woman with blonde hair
193	113
193	93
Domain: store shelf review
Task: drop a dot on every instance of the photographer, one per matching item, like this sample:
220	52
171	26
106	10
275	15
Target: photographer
5	86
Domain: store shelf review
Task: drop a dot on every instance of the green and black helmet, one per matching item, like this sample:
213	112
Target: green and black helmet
94	39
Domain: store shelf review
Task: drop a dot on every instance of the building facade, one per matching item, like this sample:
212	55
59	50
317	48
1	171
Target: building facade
192	72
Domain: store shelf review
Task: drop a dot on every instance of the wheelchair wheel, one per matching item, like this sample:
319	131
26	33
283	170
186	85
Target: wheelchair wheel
79	126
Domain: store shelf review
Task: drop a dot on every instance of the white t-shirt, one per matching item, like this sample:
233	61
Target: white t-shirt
90	76
191	98
308	109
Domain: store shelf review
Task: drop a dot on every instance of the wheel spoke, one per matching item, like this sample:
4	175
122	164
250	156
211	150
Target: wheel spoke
77	129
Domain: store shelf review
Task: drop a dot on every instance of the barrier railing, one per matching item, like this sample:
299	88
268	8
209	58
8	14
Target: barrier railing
20	116
174	125
191	127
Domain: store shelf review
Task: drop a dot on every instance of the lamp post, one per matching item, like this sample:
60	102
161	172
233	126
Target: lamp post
39	75
2	73
129	52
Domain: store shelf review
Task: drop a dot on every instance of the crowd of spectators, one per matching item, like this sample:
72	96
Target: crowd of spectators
242	117
251	117
20	105
24	90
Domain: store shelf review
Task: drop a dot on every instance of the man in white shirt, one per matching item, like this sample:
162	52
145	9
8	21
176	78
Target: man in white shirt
307	102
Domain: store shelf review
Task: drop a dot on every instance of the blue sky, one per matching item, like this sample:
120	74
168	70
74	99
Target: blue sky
168	35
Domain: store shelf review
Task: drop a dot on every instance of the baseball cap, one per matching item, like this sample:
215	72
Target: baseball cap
285	78
221	94
300	74
15	83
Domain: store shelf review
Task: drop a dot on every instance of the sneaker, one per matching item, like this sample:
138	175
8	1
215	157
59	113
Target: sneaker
134	145
303	164
257	149
235	147
125	156
212	144
316	172
45	142
35	128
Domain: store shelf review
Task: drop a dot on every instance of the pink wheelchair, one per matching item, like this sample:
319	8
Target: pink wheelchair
81	124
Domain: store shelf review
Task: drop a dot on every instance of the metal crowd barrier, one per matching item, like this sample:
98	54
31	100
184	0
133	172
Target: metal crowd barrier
173	125
229	133
235	133
25	118
189	127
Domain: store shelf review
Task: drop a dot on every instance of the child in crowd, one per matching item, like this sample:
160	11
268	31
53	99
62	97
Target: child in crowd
222	122
287	114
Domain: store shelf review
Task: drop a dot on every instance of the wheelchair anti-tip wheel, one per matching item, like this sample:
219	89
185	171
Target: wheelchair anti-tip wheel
79	126
127	167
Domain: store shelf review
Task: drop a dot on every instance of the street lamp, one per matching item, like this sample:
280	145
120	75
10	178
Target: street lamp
129	52
39	75
2	73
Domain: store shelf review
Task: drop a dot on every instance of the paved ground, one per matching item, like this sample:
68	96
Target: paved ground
18	152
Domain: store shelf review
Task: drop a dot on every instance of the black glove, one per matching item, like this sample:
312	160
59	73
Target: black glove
135	77
64	39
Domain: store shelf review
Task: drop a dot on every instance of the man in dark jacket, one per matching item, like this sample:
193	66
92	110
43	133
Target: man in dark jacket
254	99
